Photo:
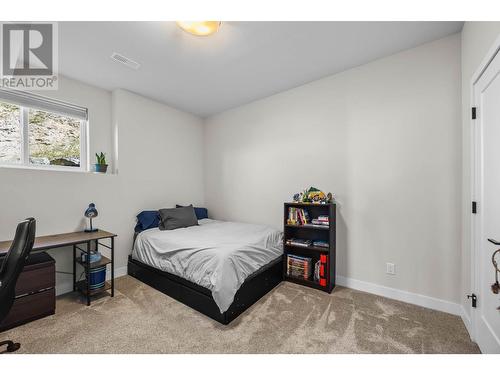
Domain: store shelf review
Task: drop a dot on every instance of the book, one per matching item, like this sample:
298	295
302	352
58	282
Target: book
299	267
319	222
323	259
301	218
298	216
319	243
305	214
292	217
293	256
299	242
317	266
316	226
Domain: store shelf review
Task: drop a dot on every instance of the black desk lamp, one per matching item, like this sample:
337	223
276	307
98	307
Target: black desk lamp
91	212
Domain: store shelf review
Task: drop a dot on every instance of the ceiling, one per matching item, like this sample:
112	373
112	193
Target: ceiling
243	62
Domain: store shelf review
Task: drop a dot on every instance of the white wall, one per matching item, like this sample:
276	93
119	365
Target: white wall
385	138
477	38
160	165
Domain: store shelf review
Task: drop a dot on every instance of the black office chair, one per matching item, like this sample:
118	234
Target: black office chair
11	268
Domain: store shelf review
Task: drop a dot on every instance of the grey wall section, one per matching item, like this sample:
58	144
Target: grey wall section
477	38
160	164
385	138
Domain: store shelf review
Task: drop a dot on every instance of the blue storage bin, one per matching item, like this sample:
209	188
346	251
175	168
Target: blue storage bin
97	277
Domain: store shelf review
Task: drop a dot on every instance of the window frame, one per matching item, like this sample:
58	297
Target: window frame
24	162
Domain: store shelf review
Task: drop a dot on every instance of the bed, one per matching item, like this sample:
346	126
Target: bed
218	268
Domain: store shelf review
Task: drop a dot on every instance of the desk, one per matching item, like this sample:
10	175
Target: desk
77	239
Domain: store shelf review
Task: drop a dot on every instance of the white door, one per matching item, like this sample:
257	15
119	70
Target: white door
486	317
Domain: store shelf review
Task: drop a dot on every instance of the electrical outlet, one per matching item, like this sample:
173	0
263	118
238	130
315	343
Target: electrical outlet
390	268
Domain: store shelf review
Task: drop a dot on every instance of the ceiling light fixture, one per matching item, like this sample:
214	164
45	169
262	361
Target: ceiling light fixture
200	28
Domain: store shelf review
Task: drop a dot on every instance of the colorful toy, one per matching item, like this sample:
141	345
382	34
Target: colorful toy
313	195
316	196
329	198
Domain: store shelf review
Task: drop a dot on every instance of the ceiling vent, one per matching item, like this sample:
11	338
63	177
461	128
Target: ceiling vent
125	61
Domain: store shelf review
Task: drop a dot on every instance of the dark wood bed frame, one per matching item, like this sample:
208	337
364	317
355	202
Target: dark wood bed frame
199	298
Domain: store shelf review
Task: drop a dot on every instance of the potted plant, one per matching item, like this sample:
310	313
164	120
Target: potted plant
101	165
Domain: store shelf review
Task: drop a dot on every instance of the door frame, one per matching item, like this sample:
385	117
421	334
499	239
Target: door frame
476	165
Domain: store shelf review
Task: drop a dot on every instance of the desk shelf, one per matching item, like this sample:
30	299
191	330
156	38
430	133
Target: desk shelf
81	286
104	261
93	239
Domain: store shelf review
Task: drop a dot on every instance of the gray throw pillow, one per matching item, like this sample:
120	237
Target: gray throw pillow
181	217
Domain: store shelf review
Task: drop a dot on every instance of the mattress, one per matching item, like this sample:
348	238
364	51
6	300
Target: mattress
217	255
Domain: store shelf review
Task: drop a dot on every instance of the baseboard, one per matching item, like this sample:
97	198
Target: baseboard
63	288
401	295
467	321
66	287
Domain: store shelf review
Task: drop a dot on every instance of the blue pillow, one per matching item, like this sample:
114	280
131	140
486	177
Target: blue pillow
147	220
201	212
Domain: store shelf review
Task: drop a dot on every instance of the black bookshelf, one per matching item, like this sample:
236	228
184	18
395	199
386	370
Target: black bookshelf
310	232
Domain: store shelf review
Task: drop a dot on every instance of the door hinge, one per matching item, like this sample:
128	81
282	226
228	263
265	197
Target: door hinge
473	113
473	297
474	207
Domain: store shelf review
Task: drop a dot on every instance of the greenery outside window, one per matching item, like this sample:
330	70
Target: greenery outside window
39	132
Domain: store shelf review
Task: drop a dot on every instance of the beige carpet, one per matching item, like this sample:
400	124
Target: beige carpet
290	319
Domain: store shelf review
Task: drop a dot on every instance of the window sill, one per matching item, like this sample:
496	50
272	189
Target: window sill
51	169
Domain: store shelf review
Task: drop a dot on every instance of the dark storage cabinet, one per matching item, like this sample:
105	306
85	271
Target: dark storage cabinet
35	292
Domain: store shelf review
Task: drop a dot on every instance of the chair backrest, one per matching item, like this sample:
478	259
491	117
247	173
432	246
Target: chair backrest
13	263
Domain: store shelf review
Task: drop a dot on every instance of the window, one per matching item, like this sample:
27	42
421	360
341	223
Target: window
39	132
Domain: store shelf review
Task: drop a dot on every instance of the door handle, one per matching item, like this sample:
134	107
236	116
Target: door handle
494	242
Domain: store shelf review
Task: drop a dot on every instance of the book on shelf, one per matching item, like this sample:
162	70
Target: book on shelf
320	267
298	242
299	258
320	223
299	267
321	220
323	259
317	266
307	243
298	216
320	243
315	226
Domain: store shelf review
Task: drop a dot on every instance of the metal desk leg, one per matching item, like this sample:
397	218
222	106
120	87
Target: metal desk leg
112	266
87	272
74	268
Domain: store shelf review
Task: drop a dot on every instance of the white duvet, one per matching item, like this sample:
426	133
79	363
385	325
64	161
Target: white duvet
218	255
